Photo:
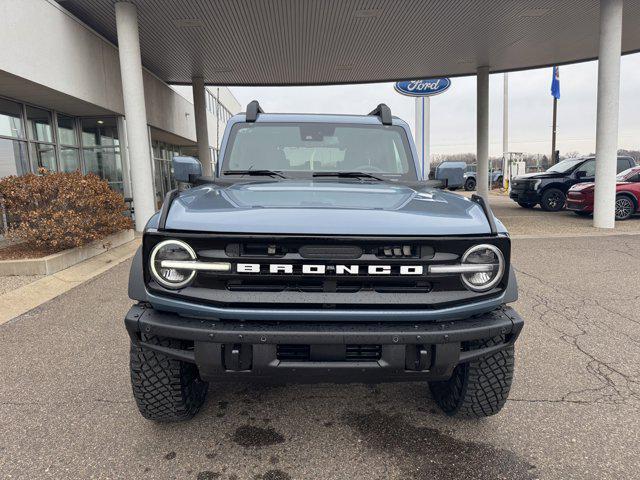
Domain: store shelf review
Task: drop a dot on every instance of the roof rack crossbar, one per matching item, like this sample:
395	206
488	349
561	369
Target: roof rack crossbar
253	109
487	212
384	112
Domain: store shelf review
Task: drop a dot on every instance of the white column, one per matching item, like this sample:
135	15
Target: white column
482	139
505	130
423	134
426	137
419	128
608	110
135	112
202	129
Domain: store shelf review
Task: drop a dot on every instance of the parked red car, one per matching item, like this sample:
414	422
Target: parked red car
580	196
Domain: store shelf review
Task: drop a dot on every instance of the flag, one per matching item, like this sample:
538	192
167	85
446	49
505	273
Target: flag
555	83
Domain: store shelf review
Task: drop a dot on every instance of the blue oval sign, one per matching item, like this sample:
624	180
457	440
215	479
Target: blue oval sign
423	88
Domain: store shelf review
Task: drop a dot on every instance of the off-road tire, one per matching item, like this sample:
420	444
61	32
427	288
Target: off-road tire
527	205
470	184
165	389
479	388
553	200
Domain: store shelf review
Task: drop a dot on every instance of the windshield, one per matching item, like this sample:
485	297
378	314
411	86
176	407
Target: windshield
304	149
565	165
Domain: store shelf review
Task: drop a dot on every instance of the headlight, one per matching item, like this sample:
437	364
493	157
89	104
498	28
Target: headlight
167	251
492	262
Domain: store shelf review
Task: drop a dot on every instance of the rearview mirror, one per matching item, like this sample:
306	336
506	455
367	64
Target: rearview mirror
186	169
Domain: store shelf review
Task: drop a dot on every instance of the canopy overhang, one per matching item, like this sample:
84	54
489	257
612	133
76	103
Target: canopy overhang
315	42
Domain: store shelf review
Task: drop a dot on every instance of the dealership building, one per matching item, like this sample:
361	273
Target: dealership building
62	105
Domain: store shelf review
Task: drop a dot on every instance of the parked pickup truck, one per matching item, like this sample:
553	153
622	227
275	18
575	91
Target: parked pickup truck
549	189
317	253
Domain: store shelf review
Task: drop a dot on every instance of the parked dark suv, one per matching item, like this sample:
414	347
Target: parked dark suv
549	189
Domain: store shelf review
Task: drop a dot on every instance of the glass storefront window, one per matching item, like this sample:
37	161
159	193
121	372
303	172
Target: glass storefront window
43	156
39	124
13	157
106	163
100	132
66	130
69	159
10	119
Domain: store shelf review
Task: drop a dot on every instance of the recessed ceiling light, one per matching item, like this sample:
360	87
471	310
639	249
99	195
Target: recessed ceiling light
189	23
534	12
370	13
100	122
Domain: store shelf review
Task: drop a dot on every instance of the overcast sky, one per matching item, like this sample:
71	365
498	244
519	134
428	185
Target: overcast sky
453	122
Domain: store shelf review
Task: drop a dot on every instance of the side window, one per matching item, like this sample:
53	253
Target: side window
623	164
588	167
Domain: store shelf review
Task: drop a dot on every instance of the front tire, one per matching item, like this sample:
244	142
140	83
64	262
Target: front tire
479	388
470	185
553	200
625	207
165	389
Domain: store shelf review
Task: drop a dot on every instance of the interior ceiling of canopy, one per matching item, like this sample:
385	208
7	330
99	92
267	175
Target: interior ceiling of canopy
312	42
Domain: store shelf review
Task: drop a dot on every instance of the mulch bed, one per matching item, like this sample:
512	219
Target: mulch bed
19	251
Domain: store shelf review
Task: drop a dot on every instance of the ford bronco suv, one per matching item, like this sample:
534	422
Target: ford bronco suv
316	253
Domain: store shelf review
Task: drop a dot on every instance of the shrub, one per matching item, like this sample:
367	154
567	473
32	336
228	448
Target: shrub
55	211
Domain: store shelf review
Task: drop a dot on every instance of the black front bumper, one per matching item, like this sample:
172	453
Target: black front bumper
255	350
524	196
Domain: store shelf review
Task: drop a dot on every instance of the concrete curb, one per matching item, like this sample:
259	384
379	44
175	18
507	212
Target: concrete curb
65	259
21	300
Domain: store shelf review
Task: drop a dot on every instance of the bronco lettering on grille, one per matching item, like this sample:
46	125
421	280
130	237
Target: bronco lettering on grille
320	269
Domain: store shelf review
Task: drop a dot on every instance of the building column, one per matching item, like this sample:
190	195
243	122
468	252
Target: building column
608	111
423	134
202	129
482	138
135	112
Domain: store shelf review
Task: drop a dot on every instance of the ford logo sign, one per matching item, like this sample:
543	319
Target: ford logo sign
423	88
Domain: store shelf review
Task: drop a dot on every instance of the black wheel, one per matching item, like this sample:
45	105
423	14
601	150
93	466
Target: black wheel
553	200
624	207
165	389
470	184
582	214
526	205
479	388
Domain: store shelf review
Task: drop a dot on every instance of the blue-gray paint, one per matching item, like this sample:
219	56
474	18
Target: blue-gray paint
325	207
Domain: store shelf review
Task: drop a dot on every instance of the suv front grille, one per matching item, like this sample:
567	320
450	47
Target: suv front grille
338	285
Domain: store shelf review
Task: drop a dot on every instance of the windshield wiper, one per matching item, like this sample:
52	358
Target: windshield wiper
261	173
348	175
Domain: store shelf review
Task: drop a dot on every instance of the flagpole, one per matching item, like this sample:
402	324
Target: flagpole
553	131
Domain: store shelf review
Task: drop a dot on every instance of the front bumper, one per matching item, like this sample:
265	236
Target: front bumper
524	196
579	203
232	350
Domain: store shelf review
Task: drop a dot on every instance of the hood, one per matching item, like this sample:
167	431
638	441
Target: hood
325	208
537	175
583	186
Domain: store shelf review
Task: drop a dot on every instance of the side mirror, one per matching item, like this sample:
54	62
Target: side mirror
186	169
581	174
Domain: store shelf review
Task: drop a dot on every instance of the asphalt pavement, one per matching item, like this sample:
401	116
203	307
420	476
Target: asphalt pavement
66	409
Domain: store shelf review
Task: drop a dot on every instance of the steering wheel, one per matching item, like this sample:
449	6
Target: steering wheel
368	168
